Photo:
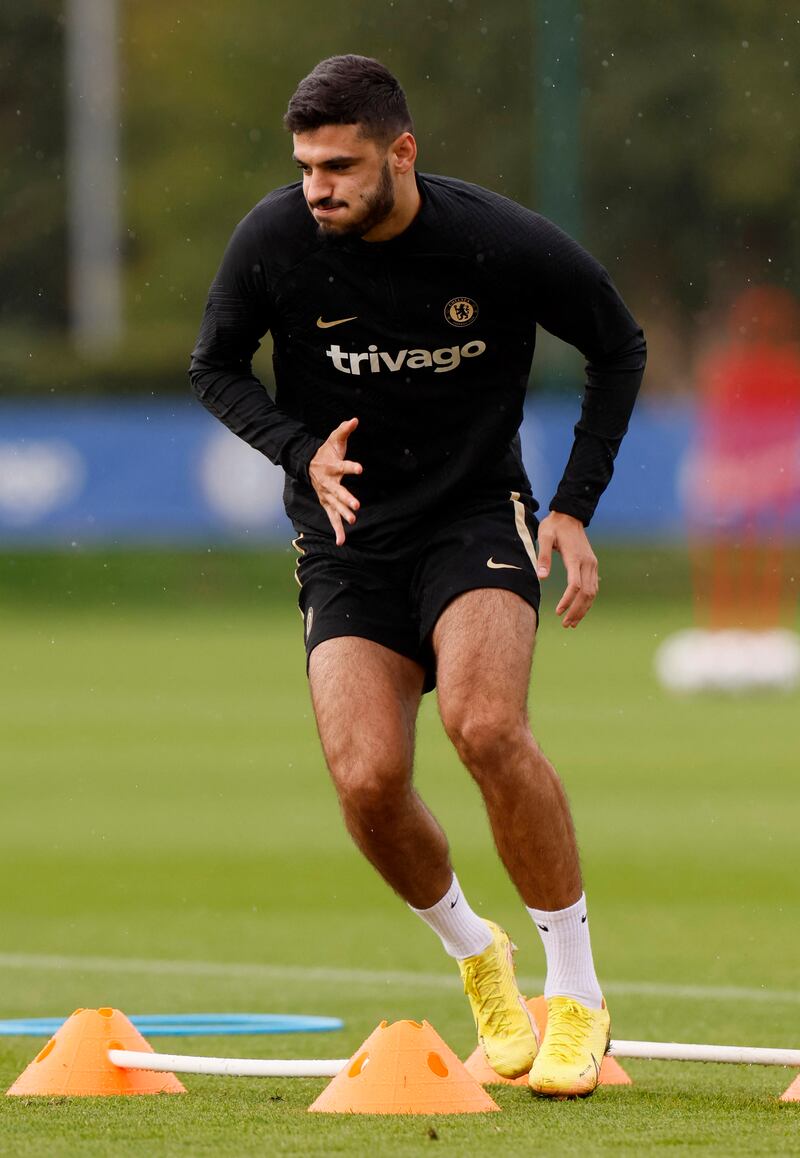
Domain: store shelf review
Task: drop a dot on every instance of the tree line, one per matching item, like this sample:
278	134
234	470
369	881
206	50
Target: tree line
686	139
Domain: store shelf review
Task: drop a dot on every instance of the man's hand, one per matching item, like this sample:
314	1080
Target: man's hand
325	471
568	537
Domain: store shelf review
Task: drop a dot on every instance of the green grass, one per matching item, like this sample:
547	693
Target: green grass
163	801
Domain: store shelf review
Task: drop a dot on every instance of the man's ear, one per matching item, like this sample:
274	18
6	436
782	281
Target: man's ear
403	151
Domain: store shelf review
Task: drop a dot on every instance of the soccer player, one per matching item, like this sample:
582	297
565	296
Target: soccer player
403	310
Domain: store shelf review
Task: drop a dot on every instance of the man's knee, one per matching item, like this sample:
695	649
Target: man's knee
368	786
486	735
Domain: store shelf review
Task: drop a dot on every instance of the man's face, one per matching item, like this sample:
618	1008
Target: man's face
347	179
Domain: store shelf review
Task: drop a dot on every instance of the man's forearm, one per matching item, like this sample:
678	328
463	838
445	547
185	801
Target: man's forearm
242	403
609	397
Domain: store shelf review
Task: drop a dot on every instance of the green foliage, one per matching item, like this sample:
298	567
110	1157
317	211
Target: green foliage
688	143
691	134
32	177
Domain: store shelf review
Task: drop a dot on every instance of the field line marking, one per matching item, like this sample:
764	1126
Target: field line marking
305	974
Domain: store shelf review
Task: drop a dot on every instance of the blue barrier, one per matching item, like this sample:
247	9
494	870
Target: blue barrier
167	473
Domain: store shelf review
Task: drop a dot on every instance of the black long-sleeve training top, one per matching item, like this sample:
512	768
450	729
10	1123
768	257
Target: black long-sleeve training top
427	339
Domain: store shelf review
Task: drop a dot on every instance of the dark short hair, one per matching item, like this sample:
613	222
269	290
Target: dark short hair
350	90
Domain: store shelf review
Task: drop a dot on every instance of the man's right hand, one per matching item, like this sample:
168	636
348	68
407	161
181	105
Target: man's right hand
326	470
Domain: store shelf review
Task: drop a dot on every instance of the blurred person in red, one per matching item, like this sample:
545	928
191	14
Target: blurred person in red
746	478
742	489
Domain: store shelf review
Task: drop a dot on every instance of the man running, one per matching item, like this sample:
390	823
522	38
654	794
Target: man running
403	310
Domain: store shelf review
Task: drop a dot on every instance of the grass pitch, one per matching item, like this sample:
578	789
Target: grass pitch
170	843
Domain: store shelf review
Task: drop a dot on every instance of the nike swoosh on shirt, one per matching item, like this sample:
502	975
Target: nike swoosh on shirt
497	566
337	322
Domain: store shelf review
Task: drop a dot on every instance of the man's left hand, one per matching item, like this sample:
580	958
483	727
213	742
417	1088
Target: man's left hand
568	536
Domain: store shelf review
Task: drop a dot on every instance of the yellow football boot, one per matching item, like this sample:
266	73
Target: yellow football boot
576	1039
505	1027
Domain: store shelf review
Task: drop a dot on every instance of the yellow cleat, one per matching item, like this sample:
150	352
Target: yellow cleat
576	1039
505	1027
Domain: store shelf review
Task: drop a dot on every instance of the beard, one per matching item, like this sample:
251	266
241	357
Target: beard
376	207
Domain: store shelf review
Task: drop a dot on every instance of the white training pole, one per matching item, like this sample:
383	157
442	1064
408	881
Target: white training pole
320	1068
680	1051
178	1063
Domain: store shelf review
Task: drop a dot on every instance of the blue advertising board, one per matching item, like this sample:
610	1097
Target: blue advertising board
136	473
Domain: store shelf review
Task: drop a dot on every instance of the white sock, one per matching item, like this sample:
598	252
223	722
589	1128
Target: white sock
462	931
570	968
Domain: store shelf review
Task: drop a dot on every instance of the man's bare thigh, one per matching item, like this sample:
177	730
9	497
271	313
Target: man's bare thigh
484	644
363	694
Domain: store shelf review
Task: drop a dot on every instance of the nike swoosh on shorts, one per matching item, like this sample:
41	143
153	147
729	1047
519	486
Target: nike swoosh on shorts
337	322
490	563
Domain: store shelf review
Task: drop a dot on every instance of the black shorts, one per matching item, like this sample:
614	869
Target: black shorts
348	592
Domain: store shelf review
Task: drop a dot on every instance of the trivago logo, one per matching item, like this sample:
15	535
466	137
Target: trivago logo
441	360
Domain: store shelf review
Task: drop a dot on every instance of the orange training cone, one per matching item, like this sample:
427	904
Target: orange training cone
403	1068
793	1092
75	1061
611	1072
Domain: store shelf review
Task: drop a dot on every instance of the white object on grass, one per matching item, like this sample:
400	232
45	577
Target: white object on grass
321	1068
683	1051
733	661
234	1067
